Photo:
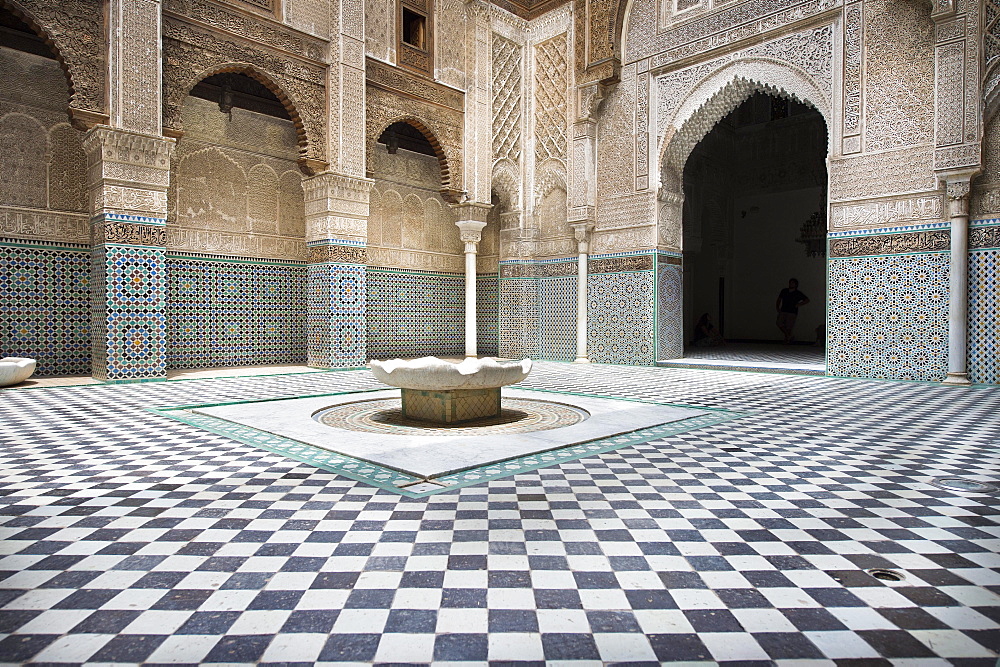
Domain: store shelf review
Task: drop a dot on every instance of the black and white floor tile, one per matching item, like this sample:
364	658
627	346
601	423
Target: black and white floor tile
128	537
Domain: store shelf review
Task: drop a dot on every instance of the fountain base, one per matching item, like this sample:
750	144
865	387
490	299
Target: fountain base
451	406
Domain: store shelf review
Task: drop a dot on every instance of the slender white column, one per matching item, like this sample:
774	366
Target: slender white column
958	299
471	233
582	231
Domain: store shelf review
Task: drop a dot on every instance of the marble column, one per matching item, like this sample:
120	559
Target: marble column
128	173
337	239
957	189
582	231
471	222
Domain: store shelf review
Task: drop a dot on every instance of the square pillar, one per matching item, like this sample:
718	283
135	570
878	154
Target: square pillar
128	174
336	234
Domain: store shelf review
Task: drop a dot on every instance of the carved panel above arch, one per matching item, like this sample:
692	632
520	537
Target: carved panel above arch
443	124
192	52
75	29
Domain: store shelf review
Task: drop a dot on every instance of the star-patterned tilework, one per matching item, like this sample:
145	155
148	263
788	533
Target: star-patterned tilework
128	537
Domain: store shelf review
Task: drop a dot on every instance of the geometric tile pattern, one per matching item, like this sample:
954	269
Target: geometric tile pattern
669	315
128	537
235	313
45	306
557	318
413	313
128	322
888	317
336	304
518	321
487	313
620	317
984	316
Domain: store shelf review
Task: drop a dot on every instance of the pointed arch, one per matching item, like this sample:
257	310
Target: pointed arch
716	95
174	99
84	72
506	184
448	192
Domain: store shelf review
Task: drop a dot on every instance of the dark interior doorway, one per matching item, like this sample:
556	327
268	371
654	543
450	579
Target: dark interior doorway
755	192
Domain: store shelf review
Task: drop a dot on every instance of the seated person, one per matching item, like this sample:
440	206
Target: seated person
705	333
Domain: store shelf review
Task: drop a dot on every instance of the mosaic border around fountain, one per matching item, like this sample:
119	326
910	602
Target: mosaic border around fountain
392	480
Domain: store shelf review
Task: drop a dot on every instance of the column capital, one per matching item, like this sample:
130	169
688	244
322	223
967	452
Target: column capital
957	186
128	172
582	231
471	211
336	206
471	232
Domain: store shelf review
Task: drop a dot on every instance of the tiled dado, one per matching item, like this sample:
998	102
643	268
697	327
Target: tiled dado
227	311
669	311
128	298
538	308
887	314
984	301
337	304
45	305
417	313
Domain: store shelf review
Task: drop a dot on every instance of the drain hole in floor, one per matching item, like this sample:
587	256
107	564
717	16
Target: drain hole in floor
960	484
885	575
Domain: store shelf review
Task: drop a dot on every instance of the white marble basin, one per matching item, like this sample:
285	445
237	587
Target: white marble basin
15	369
433	374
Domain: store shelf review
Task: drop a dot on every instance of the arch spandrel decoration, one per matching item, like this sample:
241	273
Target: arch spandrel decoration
707	102
190	55
74	30
717	94
435	132
505	184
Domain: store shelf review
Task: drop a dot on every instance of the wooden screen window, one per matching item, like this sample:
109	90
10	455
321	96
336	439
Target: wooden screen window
415	35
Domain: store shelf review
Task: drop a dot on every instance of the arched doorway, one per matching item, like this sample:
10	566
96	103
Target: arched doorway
45	257
236	275
754	217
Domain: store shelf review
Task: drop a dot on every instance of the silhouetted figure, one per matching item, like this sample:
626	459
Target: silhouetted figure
789	301
705	333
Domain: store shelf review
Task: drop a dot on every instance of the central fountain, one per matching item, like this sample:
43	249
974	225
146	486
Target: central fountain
438	391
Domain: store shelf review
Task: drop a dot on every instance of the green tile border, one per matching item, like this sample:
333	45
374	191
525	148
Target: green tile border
393	480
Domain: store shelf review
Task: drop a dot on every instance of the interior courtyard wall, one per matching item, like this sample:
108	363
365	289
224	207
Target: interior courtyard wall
889	245
984	262
44	220
236	246
878	98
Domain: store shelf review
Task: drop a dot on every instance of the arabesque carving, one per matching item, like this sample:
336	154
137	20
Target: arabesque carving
75	29
192	53
443	128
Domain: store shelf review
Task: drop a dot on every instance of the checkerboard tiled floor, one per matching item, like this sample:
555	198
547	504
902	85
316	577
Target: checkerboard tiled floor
131	538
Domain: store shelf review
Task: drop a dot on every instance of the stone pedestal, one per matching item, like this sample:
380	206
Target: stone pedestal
451	406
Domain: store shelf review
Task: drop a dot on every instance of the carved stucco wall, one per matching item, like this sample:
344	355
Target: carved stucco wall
986	188
380	29
410	226
233	42
235	188
76	30
43	170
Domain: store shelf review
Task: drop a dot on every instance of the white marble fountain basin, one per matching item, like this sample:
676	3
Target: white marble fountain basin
433	374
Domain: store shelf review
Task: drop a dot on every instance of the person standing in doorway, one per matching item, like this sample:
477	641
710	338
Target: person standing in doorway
789	301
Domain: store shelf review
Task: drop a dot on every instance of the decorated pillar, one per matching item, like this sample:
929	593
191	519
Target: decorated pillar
582	231
128	174
336	236
471	222
957	188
